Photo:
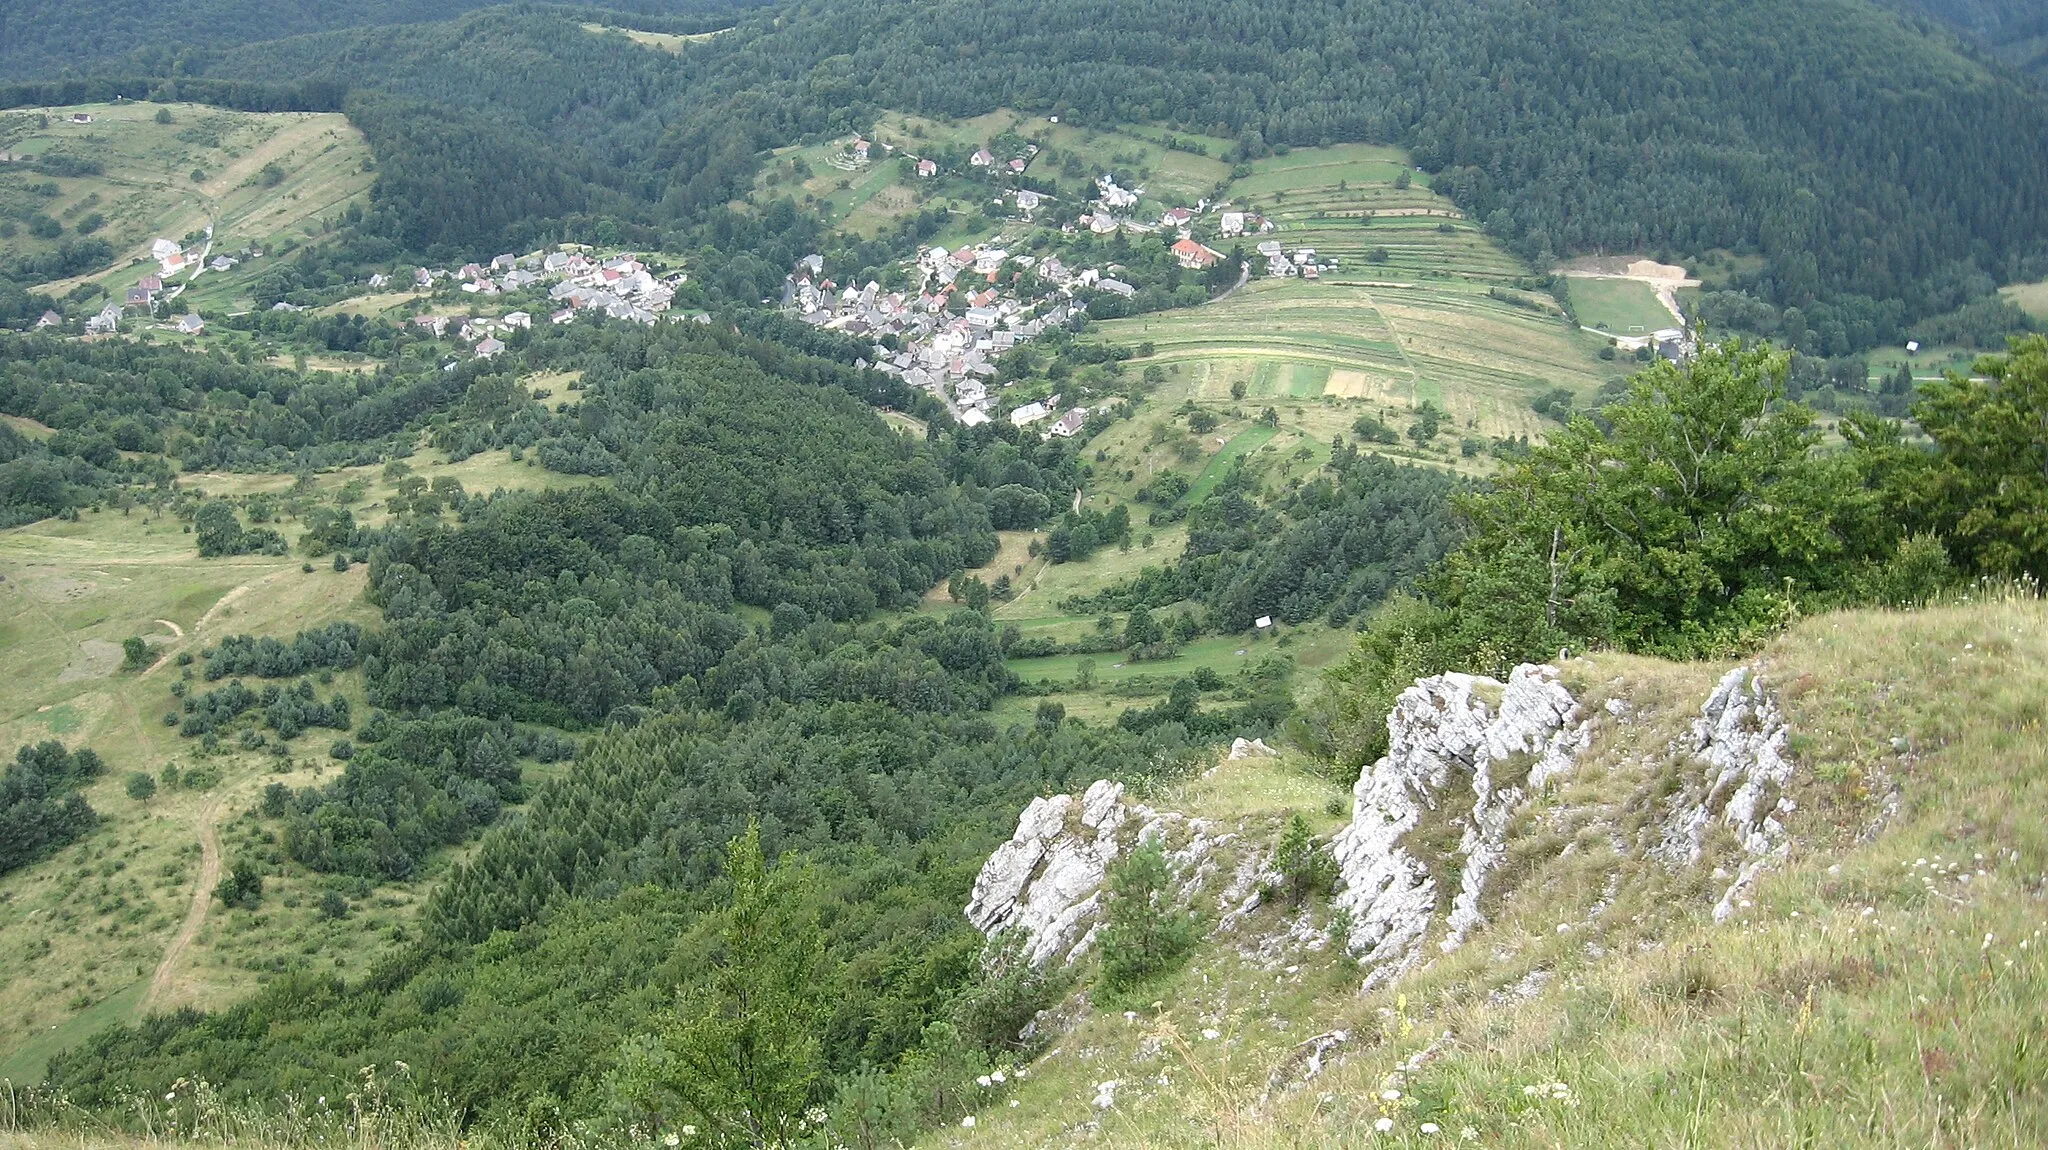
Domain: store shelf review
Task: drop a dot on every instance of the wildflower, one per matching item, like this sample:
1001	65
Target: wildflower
1212	1034
673	1139
984	1081
1013	1103
1383	1125
1390	1095
997	1078
1430	1128
171	1097
689	1131
1469	1134
1529	1091
967	1123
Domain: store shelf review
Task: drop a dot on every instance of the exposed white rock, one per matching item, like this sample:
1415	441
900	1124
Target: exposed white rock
1047	879
1243	748
1739	737
1446	742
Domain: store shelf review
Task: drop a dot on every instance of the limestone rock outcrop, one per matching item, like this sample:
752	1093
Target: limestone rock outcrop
1047	879
1739	738
1463	752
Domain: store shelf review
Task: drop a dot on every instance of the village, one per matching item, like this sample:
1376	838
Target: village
966	306
579	282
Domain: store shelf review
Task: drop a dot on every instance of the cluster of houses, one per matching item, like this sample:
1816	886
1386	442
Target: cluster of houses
1302	262
479	332
950	351
620	287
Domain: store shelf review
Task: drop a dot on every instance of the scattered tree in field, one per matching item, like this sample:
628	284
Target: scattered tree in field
141	786
136	653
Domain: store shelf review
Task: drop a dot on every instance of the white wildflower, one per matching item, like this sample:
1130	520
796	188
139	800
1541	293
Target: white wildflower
1211	1034
1383	1125
984	1082
1469	1134
997	1078
1390	1095
673	1139
1430	1128
967	1123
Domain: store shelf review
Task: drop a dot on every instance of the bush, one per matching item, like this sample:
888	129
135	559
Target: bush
342	749
1145	933
141	786
994	1009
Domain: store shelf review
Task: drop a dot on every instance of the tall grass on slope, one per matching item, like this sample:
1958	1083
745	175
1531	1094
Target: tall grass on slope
1887	987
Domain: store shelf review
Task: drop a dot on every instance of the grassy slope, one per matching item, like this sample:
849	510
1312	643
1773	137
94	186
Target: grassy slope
1887	992
108	905
147	190
1376	337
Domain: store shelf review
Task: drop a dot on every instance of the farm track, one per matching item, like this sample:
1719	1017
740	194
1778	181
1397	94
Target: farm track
195	916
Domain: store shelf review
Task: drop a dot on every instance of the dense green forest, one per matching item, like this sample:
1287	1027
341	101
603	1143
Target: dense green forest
45	39
1613	126
2015	31
1332	548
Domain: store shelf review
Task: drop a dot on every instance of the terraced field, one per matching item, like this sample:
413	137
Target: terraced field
1404	317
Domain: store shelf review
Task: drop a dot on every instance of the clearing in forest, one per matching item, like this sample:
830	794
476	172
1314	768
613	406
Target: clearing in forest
128	178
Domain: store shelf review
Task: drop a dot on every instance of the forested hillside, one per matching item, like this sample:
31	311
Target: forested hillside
1829	137
44	39
2012	30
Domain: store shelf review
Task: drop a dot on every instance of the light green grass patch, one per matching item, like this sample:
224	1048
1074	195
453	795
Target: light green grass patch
1619	306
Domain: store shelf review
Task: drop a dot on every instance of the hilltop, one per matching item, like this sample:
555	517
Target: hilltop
1680	938
1863	968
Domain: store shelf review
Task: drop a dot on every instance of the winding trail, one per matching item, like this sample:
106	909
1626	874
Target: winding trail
212	613
195	916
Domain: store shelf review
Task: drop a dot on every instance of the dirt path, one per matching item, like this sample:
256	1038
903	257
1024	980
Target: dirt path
176	630
195	917
212	613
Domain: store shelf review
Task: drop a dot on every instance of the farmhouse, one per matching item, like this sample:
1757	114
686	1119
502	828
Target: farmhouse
926	169
981	158
1070	424
49	319
106	322
1231	223
1196	256
1027	200
1116	287
489	347
190	324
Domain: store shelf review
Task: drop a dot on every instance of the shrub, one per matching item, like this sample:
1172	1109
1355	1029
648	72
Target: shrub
1145	933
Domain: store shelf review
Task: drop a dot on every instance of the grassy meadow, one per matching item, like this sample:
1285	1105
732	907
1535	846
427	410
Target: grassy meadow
259	179
1619	306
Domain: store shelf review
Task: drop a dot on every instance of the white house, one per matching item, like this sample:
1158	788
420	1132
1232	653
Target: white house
1029	414
1070	424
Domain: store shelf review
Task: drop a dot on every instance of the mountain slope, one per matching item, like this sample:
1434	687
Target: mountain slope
2015	31
1825	136
1874	981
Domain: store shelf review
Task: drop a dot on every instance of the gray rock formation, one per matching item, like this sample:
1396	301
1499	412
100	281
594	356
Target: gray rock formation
1739	737
1047	879
1453	759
